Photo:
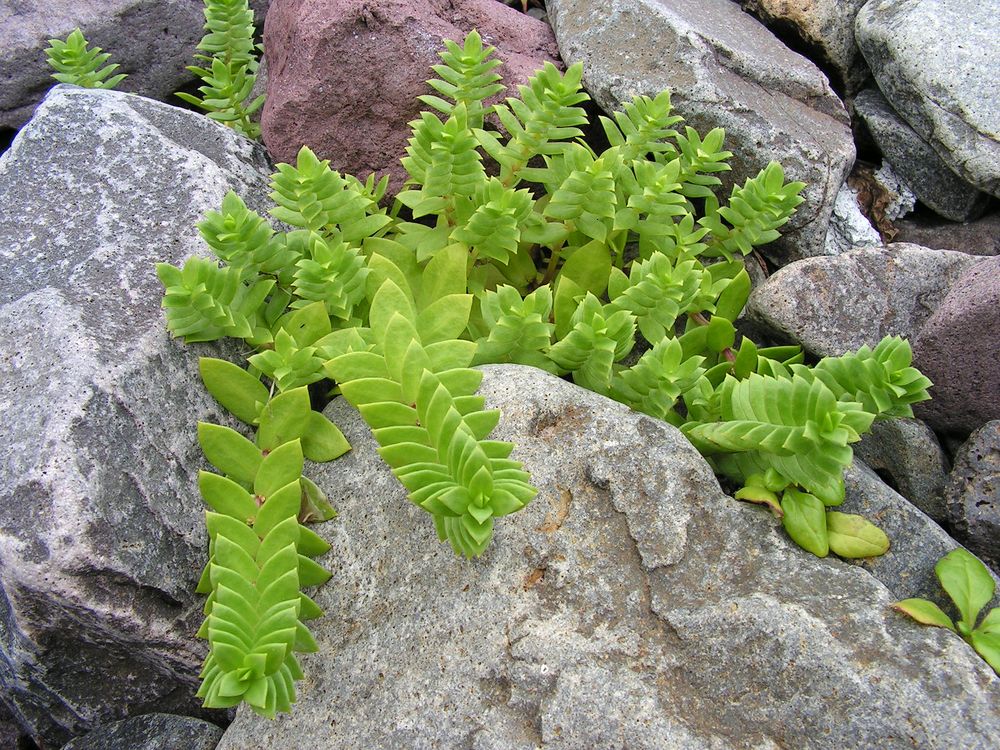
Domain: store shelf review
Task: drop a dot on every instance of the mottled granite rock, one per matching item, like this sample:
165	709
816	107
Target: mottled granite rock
101	530
917	164
631	605
836	304
825	28
937	62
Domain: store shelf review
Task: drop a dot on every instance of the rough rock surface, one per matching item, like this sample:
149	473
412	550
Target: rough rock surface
959	348
972	494
152	40
936	63
631	605
981	237
101	530
917	164
344	75
836	304
824	27
725	70
916	541
849	229
907	451
151	732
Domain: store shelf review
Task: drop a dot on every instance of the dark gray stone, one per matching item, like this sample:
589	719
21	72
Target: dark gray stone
917	542
958	348
151	732
152	40
907	451
936	61
101	530
972	494
836	304
917	164
630	605
980	237
725	69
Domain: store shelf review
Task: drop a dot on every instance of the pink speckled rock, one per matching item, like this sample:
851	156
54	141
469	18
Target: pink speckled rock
959	348
344	74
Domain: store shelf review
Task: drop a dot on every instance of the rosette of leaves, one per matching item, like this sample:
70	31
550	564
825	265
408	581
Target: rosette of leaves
518	329
77	63
229	69
795	433
600	336
970	586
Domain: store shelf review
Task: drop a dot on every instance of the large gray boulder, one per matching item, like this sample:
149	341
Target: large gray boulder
937	63
835	304
101	529
631	605
917	164
824	27
152	40
725	69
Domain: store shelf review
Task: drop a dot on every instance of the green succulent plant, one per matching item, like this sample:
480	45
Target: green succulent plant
229	67
76	63
519	244
970	586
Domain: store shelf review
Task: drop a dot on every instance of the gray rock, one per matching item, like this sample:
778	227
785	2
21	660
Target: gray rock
972	494
152	40
631	605
980	237
725	69
916	541
907	451
151	732
917	164
849	228
101	530
825	27
958	349
901	199
832	305
936	61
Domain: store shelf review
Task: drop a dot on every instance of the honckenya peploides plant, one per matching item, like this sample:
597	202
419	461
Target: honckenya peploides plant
556	256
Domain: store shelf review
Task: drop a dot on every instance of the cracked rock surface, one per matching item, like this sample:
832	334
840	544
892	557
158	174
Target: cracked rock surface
101	529
631	605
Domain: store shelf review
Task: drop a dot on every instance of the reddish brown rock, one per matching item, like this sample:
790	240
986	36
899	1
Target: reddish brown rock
344	75
959	348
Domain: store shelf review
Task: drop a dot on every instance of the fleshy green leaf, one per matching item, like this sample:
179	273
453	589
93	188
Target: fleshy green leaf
967	581
854	536
925	612
233	387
